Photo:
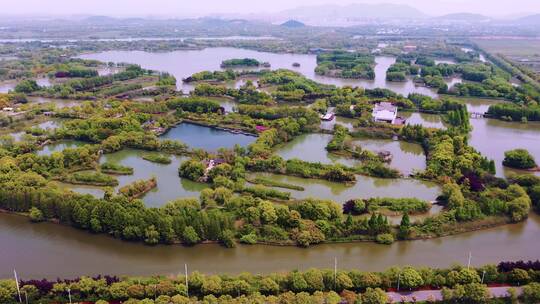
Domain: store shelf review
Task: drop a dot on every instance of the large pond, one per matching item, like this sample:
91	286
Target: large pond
425	119
170	185
60	146
50	250
311	148
493	137
407	157
209	139
185	63
365	187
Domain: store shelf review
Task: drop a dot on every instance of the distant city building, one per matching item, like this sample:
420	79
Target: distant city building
385	112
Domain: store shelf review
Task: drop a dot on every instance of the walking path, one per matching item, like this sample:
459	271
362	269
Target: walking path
436	295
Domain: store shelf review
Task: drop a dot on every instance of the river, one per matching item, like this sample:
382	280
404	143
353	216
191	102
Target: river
182	64
50	250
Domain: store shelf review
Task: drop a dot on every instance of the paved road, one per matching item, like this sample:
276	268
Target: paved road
425	295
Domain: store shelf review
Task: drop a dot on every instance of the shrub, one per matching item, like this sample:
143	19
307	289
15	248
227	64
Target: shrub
519	159
385	238
36	215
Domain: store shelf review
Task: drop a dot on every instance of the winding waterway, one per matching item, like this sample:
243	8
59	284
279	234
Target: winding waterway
50	250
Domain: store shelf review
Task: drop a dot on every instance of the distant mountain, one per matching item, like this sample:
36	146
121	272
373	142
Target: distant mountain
529	20
468	17
293	24
354	12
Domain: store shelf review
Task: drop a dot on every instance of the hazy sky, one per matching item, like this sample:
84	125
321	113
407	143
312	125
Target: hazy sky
205	7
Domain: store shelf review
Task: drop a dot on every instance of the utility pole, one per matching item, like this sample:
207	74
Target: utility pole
187	284
18	288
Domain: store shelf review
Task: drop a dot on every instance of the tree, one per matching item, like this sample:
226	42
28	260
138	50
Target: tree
519	159
151	235
268	286
404	227
410	278
374	296
27	86
314	279
190	236
227	238
531	293
519	276
36	215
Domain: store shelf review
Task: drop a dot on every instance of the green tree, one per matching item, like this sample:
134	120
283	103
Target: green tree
519	158
374	296
190	236
410	278
36	215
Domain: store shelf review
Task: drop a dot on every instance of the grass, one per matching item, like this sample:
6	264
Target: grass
91	178
515	47
272	183
157	158
110	168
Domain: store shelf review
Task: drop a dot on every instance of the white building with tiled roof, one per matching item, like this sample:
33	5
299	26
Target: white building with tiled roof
385	112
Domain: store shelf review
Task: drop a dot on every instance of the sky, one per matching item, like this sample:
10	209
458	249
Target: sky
191	8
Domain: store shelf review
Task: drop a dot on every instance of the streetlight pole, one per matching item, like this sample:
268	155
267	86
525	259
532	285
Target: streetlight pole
187	284
483	275
69	295
18	288
335	272
26	297
469	263
398	279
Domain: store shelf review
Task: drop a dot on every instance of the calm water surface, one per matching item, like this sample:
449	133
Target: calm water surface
170	185
185	63
407	157
59	146
207	138
365	187
50	250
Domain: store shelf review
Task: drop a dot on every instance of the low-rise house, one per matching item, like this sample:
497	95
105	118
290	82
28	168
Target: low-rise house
385	112
328	117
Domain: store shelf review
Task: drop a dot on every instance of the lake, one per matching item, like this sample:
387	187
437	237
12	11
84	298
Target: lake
207	138
183	64
51	251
